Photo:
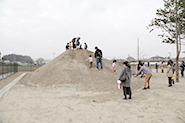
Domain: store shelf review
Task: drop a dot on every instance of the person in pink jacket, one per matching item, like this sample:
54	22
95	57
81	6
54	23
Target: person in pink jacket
114	67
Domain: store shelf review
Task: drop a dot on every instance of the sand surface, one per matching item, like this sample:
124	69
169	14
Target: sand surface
6	81
65	103
66	90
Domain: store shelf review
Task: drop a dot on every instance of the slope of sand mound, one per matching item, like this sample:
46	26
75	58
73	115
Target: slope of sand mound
72	67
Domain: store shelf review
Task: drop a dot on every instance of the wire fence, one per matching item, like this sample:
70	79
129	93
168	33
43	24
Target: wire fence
9	69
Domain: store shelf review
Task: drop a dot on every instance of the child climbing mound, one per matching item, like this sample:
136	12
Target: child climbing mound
114	66
90	59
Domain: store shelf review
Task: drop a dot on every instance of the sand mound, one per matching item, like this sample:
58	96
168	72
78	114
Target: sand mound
72	67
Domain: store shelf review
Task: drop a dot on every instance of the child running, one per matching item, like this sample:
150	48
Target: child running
114	66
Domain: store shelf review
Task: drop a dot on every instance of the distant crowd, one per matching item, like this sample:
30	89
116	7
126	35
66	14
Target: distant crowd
144	71
75	44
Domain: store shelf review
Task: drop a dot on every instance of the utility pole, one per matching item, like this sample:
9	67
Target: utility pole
138	49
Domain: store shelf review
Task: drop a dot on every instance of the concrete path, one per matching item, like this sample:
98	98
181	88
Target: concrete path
6	75
10	85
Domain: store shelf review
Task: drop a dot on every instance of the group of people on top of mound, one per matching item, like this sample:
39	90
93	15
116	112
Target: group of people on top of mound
75	44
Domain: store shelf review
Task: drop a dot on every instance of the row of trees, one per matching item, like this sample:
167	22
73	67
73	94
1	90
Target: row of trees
23	59
171	20
20	58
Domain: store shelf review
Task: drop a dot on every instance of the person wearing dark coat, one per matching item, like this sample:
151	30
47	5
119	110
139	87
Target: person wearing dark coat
73	42
98	55
127	84
182	66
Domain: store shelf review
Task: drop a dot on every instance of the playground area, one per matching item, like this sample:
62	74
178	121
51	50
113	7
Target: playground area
67	103
52	95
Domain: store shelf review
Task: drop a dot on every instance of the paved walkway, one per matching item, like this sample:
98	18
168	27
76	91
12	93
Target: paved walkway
6	75
11	84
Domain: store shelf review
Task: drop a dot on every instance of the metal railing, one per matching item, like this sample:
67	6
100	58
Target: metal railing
11	68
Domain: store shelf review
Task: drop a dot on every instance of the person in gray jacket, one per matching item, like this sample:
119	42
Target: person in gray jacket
127	84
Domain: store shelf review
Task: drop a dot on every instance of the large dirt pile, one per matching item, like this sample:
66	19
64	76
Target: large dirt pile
72	67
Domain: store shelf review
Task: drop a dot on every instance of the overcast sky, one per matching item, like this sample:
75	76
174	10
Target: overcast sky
40	28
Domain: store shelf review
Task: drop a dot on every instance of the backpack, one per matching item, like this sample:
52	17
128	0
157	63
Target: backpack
99	53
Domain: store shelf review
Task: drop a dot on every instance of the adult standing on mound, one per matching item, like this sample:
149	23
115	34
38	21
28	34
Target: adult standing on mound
73	41
127	84
85	46
98	56
78	41
148	74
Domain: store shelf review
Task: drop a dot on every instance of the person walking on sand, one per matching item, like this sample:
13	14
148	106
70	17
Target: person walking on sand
182	66
114	66
173	66
148	76
156	67
148	64
90	59
162	67
98	56
127	84
169	72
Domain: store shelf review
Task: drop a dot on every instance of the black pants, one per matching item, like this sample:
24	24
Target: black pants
170	80
91	64
127	90
182	73
162	71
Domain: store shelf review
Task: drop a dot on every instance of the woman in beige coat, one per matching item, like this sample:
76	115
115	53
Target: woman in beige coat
169	72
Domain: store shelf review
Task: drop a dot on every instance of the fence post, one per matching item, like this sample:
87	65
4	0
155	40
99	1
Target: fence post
15	67
11	67
2	69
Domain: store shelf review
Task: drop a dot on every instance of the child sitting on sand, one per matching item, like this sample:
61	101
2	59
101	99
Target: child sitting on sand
90	59
114	66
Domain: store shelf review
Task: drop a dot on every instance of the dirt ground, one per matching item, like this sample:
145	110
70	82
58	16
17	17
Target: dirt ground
66	90
9	79
66	103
